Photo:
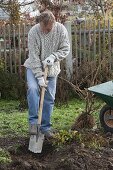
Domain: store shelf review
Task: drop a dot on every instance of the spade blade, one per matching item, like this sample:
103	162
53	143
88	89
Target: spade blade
36	143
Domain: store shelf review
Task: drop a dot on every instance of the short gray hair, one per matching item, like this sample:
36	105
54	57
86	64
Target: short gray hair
46	17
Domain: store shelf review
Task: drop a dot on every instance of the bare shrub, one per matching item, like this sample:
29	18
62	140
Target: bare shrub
88	74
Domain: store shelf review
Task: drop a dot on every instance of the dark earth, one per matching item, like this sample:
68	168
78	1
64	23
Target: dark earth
73	156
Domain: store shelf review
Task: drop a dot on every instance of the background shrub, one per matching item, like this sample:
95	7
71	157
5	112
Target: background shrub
11	86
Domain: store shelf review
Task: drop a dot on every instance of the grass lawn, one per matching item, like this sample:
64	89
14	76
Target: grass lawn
15	123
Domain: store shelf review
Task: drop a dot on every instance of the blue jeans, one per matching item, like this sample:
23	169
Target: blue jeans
33	98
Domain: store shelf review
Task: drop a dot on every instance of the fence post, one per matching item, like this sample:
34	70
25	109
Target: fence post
69	59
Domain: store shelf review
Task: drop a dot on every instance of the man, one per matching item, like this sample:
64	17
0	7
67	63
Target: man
48	44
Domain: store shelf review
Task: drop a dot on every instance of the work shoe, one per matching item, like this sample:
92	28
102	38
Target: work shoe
49	133
33	129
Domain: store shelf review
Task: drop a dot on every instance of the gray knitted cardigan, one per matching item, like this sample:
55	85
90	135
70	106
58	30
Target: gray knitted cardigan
42	45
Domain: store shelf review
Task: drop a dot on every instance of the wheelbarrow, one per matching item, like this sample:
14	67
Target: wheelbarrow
105	92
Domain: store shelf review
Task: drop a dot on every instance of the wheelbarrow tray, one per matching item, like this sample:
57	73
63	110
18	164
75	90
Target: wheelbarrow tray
104	91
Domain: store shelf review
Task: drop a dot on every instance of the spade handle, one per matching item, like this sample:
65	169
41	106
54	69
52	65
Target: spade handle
42	98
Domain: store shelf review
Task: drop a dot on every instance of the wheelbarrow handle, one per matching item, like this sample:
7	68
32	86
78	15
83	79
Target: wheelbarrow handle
42	98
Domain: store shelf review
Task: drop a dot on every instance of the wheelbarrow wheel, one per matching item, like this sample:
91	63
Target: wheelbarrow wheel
106	118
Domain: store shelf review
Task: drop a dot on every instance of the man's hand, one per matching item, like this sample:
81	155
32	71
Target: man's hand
42	82
49	61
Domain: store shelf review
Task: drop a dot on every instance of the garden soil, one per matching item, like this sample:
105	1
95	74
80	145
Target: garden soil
74	156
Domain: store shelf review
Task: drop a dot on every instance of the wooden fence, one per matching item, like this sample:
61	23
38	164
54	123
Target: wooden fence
93	40
13	46
90	41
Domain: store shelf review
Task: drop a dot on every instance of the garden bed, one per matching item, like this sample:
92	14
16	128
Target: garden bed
73	156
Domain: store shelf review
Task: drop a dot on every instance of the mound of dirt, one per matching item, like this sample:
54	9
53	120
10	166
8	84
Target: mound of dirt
70	157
